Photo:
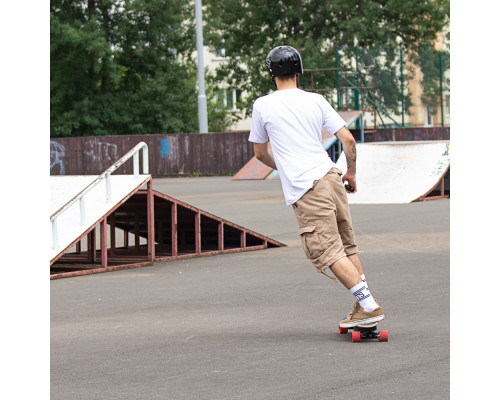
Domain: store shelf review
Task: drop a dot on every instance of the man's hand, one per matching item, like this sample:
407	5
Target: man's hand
351	180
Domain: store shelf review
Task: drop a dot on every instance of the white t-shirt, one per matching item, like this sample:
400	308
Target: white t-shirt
292	120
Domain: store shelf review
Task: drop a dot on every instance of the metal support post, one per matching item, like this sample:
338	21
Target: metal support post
112	234
136	165
441	85
54	234
197	233
202	98
108	188
145	160
82	210
337	78
356	92
174	230
104	243
362	129
220	236
91	246
151	222
402	90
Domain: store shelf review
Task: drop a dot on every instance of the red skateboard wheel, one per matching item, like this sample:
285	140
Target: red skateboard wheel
356	337
384	336
343	330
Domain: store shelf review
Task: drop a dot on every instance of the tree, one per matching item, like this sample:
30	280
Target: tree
122	67
432	63
248	30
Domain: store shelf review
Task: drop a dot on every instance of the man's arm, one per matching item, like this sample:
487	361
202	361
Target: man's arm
263	155
349	145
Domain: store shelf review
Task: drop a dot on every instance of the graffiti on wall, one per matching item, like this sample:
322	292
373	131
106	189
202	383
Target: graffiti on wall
443	162
57	152
419	136
101	151
165	148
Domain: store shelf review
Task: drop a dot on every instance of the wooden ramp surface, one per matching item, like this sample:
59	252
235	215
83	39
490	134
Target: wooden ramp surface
254	169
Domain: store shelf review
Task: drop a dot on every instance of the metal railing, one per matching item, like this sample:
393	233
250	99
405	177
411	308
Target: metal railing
80	197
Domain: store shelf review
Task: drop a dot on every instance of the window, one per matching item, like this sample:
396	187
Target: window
447	106
229	98
429	120
233	98
220	53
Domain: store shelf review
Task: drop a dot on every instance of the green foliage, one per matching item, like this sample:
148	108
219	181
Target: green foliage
248	30
126	67
122	67
430	62
220	117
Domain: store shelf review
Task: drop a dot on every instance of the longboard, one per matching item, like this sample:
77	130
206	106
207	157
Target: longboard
363	332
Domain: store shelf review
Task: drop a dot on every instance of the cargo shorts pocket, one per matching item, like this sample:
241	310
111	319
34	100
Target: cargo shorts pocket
310	241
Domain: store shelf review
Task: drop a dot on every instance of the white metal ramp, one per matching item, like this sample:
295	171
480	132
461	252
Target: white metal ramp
79	203
398	172
143	225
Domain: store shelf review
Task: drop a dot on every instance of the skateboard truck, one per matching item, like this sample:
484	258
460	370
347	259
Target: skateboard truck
366	332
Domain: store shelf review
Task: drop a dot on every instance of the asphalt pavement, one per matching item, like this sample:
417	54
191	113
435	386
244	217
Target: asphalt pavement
260	324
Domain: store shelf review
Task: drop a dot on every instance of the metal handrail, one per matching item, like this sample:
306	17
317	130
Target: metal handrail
106	176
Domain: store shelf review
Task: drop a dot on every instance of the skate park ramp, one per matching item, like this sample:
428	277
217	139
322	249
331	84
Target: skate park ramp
64	188
398	172
125	226
79	203
254	169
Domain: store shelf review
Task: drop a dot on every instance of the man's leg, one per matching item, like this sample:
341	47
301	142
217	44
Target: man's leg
346	272
348	275
353	258
357	263
319	221
366	310
345	269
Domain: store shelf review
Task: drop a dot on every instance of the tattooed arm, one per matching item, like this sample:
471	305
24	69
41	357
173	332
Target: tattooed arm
349	145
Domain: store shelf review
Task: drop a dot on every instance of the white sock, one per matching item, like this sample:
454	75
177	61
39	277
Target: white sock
363	278
363	296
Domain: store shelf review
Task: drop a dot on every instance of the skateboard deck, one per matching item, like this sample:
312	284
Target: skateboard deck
363	332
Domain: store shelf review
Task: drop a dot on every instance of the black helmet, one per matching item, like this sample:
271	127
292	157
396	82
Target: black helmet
283	60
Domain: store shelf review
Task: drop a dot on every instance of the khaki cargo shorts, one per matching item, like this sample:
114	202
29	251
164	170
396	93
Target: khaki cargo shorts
324	221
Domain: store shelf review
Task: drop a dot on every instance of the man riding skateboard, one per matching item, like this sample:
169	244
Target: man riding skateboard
292	120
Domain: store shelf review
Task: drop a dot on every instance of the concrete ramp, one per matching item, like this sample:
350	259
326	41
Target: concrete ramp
398	172
254	169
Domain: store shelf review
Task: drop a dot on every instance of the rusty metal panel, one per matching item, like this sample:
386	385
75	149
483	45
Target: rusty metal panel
170	154
405	134
254	169
188	232
186	154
